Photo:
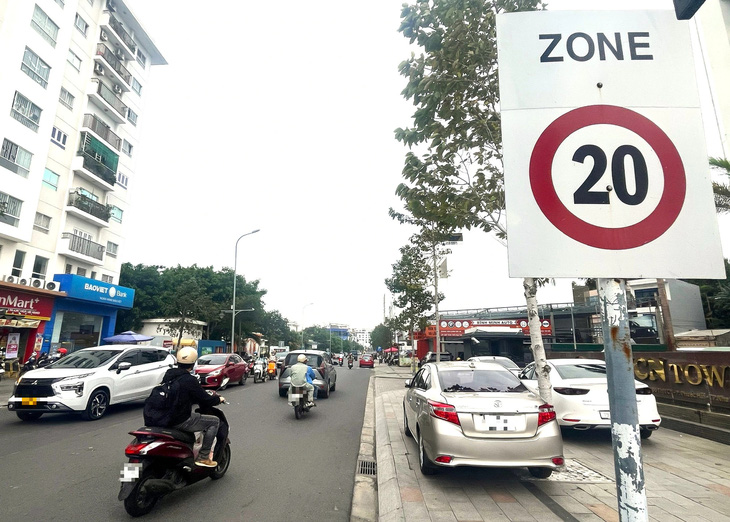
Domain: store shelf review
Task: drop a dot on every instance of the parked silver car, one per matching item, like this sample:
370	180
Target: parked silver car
504	361
469	413
320	361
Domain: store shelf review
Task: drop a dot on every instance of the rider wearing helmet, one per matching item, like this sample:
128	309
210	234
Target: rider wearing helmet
61	352
191	392
302	375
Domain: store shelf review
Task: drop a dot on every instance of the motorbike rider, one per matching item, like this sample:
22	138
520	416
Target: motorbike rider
302	375
349	359
191	392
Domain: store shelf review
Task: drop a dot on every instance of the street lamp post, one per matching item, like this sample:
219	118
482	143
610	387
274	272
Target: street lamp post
233	305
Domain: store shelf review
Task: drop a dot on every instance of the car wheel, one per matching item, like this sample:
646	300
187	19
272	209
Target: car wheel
29	415
542	473
406	429
223	460
282	392
645	434
427	467
242	380
333	386
326	393
97	406
140	502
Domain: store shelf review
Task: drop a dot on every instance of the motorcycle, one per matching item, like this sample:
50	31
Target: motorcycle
259	371
162	460
271	370
34	362
349	364
298	398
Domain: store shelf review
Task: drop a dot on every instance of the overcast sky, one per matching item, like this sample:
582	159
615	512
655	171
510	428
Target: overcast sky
280	117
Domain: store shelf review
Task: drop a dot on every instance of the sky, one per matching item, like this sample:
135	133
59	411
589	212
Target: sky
281	119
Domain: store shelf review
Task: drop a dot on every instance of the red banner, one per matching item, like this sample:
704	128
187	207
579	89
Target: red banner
459	327
25	305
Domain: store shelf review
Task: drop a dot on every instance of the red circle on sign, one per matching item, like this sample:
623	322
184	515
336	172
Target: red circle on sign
641	233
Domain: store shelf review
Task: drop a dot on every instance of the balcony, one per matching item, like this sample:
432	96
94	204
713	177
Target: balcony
104	98
123	36
88	209
96	162
114	65
102	130
81	248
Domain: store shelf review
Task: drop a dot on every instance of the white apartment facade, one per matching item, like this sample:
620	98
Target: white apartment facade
71	104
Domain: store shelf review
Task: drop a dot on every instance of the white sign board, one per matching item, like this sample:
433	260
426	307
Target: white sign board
605	162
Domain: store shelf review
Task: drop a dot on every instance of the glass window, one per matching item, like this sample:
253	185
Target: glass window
36	68
468	380
132	117
212	360
18	263
42	223
80	271
10	210
66	98
130	357
141	58
116	213
127	148
86	358
107	278
25	111
136	86
15	158
148	356
111	249
581	371
44	26
74	60
81	24
40	265
50	179
59	138
61	3
122	180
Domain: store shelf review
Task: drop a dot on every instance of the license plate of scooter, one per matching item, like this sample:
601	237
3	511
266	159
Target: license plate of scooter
130	472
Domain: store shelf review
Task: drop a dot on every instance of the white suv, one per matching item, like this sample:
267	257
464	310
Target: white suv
88	381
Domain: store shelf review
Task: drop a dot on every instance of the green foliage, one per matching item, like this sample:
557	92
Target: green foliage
408	285
715	295
721	190
381	336
325	341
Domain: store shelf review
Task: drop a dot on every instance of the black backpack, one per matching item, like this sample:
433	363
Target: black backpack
160	405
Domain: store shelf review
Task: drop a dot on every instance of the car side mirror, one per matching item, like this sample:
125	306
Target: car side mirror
408	383
123	366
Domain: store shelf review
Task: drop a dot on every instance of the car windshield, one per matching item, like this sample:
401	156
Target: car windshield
581	371
86	359
367	357
212	360
313	359
510	365
468	380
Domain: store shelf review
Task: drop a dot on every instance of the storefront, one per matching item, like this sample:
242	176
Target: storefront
24	315
86	315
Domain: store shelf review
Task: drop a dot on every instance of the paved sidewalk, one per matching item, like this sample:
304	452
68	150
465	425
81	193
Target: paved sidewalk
687	477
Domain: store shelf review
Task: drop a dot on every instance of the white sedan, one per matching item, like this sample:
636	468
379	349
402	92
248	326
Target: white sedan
580	395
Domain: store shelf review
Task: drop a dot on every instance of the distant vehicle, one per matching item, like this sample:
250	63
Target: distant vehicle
280	353
217	370
320	361
643	334
431	357
580	395
367	361
469	413
504	361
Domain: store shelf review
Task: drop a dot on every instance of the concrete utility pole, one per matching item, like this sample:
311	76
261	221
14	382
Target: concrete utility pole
625	433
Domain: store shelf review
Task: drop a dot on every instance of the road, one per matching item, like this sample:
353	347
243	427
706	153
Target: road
62	468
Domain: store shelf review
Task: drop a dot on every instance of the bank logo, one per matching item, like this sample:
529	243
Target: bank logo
112	292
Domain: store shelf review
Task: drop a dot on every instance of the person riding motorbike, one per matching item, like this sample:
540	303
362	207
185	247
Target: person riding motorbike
191	392
349	361
302	375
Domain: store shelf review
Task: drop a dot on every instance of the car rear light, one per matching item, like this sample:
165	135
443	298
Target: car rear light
444	459
656	420
571	420
558	461
444	411
545	415
643	391
571	391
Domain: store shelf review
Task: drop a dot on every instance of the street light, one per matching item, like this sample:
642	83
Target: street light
233	305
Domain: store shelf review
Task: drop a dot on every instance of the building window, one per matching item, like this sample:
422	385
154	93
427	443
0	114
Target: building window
93	275
44	26
36	68
66	98
59	138
15	158
115	213
42	223
127	148
10	209
81	24
74	60
107	278
132	117
69	268
111	249
141	58
26	112
136	86
18	263
40	266
61	3
80	271
50	179
122	180
92	197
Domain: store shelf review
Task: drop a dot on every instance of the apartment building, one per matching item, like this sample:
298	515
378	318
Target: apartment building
71	105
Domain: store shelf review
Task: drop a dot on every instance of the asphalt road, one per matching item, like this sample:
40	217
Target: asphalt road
63	468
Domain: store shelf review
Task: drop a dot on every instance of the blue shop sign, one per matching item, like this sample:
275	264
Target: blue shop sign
85	289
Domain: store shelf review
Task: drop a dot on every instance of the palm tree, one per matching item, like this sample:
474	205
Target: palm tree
721	191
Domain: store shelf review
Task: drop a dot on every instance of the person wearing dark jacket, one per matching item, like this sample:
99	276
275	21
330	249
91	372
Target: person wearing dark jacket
191	392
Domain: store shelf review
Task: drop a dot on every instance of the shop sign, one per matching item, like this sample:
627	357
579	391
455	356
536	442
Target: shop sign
86	289
11	351
26	305
458	327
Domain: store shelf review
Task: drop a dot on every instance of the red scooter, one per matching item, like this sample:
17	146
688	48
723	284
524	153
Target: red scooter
162	460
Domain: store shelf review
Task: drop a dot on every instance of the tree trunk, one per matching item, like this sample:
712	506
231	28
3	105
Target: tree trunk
538	349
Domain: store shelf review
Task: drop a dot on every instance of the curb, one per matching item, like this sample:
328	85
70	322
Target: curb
364	492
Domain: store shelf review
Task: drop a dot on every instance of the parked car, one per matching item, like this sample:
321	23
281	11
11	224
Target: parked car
217	370
504	361
367	360
431	357
469	413
88	381
326	375
580	395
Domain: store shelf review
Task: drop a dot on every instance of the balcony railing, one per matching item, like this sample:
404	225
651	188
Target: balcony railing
124	35
110	58
95	124
89	206
108	96
84	246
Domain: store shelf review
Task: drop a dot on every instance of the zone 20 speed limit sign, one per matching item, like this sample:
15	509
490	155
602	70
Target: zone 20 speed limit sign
606	171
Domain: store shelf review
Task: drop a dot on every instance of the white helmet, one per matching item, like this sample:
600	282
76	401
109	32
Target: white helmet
302	358
187	355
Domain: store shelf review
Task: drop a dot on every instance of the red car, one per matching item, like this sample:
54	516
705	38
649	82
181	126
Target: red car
367	361
217	370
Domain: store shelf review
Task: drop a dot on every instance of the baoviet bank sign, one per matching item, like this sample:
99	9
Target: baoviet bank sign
462	327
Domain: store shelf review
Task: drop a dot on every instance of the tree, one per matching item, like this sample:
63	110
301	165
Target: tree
411	277
721	190
455	179
381	336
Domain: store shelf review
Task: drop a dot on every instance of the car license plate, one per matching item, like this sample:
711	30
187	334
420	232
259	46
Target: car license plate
130	471
605	415
484	422
29	401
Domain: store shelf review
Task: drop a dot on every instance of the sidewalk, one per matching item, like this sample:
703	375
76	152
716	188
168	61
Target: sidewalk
687	477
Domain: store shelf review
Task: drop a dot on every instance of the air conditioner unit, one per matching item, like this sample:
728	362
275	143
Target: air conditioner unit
99	69
117	89
10	279
51	285
36	283
23	282
104	36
